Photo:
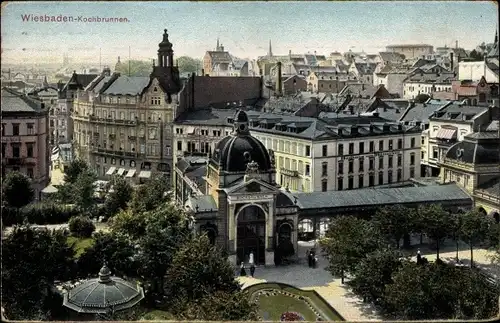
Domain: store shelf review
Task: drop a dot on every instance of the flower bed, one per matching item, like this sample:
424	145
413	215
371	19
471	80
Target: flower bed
291	316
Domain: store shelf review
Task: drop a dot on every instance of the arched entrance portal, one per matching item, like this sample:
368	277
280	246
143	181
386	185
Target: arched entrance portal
496	217
251	234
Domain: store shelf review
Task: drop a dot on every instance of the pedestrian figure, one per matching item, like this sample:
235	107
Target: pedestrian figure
419	257
242	269
251	261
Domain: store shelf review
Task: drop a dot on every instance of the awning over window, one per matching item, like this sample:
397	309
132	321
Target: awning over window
190	130
131	173
145	174
446	134
121	171
111	170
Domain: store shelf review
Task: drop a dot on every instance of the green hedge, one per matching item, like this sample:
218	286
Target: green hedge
40	213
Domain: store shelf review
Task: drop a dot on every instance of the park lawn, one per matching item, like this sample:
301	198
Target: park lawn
157	315
271	307
80	244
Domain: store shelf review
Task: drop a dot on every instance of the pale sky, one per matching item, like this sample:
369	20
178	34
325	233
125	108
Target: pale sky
244	28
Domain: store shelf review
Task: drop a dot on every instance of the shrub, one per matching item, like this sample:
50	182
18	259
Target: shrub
81	226
39	213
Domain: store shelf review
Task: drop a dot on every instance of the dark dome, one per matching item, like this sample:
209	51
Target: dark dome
234	152
477	148
96	295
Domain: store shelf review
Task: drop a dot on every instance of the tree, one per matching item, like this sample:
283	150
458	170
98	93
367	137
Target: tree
148	196
17	190
81	226
201	281
347	241
476	56
130	224
118	252
394	222
166	232
374	272
137	68
422	98
438	223
74	169
474	228
188	64
119	197
84	190
32	259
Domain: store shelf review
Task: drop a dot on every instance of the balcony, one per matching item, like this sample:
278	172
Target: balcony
18	161
132	137
113	152
289	172
113	121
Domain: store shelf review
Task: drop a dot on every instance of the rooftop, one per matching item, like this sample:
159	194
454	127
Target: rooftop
15	102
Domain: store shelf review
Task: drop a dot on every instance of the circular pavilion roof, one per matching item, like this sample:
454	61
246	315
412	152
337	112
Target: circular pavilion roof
98	295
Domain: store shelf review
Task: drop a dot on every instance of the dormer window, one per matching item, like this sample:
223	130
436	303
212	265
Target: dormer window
155	89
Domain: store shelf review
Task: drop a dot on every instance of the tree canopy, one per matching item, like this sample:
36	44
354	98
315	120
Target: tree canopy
16	190
137	68
189	65
74	169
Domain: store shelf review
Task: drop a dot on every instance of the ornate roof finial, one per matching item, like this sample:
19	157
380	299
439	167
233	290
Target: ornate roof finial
104	274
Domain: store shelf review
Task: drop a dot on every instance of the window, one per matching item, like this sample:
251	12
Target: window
340	184
308	169
3	129
423	140
351	166
325	150
371	180
341	167
400	175
371	163
372	146
29	149
390	144
400	159
341	150
16	151
31	128
361	180
4	148
308	149
381	162
435	153
351	148
422	155
412	159
412	142
381	145
361	147
400	143
390	161
324	185
15	129
361	164
324	169
412	172
350	183
30	172
179	145
113	161
380	178
389	177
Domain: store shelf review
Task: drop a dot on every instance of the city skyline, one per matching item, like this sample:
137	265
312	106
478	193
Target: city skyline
243	28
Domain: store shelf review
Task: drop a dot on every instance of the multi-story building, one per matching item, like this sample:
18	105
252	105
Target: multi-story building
363	71
411	50
312	154
61	122
448	126
427	83
217	62
328	82
25	138
123	124
48	95
473	164
235	199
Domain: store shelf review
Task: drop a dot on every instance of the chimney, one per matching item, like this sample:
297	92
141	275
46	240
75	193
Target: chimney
451	59
202	72
278	80
456	44
290	54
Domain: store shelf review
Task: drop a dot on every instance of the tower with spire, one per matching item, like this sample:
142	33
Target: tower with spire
494	52
270	52
165	70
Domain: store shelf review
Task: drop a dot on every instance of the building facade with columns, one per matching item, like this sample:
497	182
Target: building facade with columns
235	199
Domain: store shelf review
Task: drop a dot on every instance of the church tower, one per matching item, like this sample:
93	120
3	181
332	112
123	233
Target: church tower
270	52
165	70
